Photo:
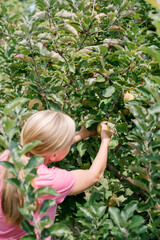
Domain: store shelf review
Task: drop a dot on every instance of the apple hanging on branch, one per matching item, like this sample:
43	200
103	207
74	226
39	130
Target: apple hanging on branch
128	97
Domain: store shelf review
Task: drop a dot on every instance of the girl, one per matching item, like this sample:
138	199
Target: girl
56	131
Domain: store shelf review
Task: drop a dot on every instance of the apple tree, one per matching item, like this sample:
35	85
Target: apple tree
97	61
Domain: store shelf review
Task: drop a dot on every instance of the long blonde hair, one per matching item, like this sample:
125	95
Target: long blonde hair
56	131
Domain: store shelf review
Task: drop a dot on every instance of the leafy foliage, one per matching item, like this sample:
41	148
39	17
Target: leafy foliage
82	57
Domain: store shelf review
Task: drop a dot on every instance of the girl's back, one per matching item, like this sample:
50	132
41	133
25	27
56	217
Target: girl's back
60	179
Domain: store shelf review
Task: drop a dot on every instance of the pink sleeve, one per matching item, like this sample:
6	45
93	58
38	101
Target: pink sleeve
4	155
61	180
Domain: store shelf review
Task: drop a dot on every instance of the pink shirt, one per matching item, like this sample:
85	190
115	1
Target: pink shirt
61	180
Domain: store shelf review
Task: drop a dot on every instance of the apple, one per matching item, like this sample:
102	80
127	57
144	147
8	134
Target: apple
86	166
126	111
85	102
128	97
99	128
112	200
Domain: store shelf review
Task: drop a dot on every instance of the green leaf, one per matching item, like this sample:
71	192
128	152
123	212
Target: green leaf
101	211
154	109
45	221
122	127
100	79
3	142
108	92
135	222
48	203
30	176
155	78
13	16
29	146
69	28
29	237
65	14
90	122
50	54
81	147
86	212
26	213
42	4
9	166
15	182
27	227
10	106
59	230
9	123
115	215
95	196
155	54
39	15
154	3
146	206
128	210
4	9
33	162
45	191
25	27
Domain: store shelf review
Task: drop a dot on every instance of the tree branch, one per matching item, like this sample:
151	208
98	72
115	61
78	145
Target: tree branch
127	180
87	34
35	66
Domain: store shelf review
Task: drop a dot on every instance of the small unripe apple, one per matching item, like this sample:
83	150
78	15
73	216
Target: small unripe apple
85	102
128	97
86	166
112	202
126	111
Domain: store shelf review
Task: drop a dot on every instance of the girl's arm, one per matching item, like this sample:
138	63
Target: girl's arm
87	178
83	133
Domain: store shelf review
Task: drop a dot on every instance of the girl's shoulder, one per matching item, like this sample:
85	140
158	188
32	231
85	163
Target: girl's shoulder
54	177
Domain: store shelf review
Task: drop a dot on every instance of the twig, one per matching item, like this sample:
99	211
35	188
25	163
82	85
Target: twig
87	34
2	130
93	7
50	18
35	66
36	70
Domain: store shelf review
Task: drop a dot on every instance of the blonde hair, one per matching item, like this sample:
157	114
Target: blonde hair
56	131
11	198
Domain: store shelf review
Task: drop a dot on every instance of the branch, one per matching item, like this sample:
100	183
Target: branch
50	18
36	70
87	34
35	66
123	179
90	34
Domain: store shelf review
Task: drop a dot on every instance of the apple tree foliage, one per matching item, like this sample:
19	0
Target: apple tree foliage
81	57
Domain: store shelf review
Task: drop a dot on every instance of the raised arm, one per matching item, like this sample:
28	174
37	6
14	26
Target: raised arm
87	178
83	133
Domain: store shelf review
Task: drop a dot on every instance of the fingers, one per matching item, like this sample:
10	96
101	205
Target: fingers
105	127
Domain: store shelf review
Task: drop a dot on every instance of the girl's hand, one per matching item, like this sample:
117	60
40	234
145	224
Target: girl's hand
84	132
106	132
